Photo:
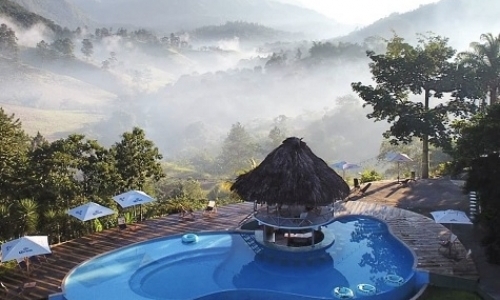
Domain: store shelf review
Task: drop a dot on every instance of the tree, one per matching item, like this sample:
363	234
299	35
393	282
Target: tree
44	51
8	41
403	70
64	47
477	137
14	143
238	150
276	62
87	48
137	160
485	59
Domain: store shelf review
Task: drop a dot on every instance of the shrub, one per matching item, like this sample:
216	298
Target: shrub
370	175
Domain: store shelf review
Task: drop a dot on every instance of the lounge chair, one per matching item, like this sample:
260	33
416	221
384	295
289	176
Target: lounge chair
186	213
22	264
17	291
448	245
35	262
211	208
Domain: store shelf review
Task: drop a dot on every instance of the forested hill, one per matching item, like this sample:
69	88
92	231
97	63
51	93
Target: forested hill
460	20
61	12
24	17
243	30
176	15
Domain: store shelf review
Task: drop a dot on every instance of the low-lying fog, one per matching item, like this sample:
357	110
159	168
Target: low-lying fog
186	96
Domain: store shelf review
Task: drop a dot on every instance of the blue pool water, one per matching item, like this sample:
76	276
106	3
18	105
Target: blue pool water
230	265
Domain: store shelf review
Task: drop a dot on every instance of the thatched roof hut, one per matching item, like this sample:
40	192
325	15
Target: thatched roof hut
293	175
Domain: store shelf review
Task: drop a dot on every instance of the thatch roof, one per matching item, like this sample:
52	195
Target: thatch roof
291	174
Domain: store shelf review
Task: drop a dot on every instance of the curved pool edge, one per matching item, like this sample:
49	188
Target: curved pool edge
389	229
179	235
408	280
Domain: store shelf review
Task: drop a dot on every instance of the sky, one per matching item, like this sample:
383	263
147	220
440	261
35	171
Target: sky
362	12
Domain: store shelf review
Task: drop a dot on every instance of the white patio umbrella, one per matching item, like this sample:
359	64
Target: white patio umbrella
338	165
90	211
450	216
399	158
343	165
132	198
24	247
349	166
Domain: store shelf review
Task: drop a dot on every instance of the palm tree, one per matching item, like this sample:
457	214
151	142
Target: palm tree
26	214
485	59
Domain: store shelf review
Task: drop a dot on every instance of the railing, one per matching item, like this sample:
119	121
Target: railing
274	217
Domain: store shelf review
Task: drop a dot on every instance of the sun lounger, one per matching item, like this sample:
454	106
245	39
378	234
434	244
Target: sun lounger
448	245
211	208
186	213
11	291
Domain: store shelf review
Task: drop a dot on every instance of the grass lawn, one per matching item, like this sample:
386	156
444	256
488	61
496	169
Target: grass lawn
439	293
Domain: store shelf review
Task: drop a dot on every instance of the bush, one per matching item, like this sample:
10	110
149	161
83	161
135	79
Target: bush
370	175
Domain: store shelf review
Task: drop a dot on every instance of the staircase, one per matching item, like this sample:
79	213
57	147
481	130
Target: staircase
252	243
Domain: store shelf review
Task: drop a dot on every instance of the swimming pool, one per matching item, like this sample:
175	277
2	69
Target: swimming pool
228	265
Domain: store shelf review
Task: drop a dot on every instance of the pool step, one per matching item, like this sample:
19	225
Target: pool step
250	240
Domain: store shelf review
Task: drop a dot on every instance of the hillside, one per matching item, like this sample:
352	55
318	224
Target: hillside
243	30
175	15
52	123
36	88
462	21
23	16
60	11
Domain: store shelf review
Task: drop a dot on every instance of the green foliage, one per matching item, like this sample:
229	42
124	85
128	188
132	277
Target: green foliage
370	175
24	17
220	191
8	42
403	70
238	150
87	47
478	136
413	149
64	47
485	61
137	160
14	145
340	51
243	30
484	178
277	62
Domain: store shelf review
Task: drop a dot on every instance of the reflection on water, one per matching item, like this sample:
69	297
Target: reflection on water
380	253
363	252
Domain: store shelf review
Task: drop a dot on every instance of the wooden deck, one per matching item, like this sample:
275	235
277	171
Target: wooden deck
420	233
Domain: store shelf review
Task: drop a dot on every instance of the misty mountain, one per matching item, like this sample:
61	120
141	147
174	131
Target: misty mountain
183	15
244	31
462	21
61	12
24	17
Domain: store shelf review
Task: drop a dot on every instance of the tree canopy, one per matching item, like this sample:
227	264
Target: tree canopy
403	70
485	60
